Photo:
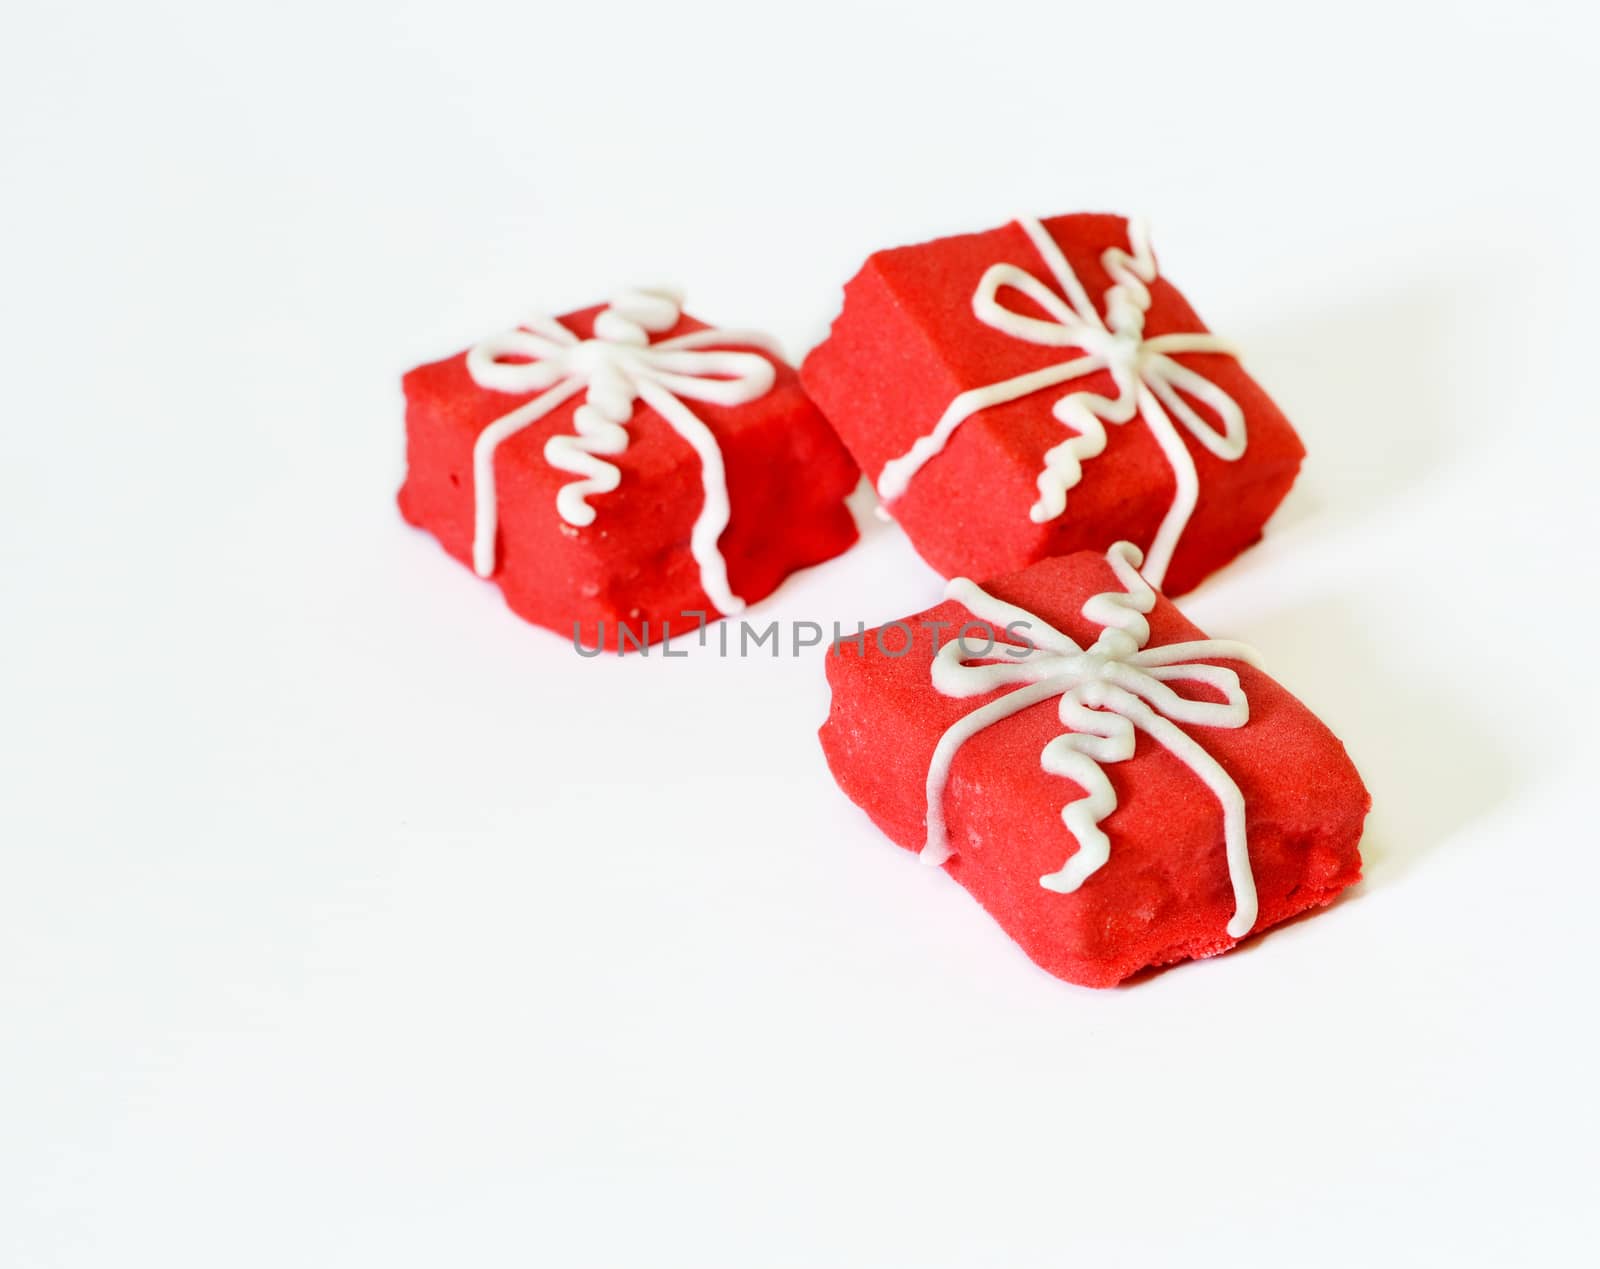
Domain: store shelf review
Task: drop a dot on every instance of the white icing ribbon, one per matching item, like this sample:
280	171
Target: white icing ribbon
1149	382
617	367
1107	691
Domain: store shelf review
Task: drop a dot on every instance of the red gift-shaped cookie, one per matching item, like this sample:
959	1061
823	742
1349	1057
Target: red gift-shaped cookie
627	472
1006	417
1118	790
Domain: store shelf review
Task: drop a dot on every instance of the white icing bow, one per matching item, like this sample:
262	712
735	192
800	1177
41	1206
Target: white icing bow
1107	691
618	366
1149	382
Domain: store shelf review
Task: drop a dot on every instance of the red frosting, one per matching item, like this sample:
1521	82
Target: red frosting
787	477
907	343
1165	893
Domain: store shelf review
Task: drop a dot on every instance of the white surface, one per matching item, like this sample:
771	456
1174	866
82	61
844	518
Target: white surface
318	947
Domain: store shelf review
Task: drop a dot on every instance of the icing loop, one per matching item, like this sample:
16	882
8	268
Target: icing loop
616	368
1148	381
1107	692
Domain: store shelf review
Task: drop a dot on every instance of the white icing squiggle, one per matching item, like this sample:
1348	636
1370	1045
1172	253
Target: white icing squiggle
1149	382
617	367
1107	691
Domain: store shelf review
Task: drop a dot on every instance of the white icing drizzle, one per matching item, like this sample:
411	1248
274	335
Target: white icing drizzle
1107	691
617	367
1149	382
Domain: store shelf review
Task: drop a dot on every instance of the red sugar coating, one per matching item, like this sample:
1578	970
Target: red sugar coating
1164	895
907	343
787	477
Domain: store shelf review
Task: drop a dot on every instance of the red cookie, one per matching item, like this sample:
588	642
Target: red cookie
1117	790
624	471
1039	389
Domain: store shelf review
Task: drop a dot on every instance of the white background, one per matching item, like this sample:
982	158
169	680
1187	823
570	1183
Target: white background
345	920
